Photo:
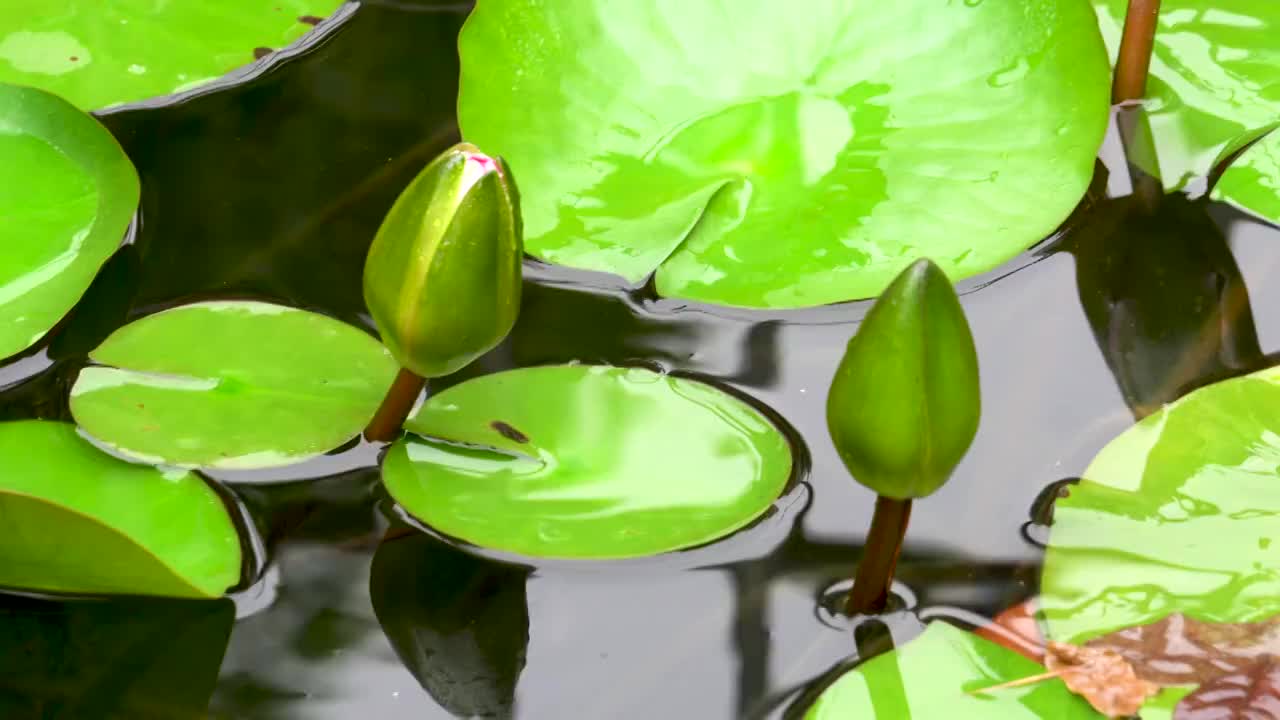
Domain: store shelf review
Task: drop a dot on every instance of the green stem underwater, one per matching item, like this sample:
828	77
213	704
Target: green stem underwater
395	408
870	592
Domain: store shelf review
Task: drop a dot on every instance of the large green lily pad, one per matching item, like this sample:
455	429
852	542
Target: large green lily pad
580	461
1178	513
98	54
756	153
67	194
77	520
1215	77
232	384
934	677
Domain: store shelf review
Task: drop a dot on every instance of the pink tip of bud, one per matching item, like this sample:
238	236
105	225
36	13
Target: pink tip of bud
477	166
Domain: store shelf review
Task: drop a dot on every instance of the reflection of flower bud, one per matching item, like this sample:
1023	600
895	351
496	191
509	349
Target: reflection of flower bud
443	274
904	404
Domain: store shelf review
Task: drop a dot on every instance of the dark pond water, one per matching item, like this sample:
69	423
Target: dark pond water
273	189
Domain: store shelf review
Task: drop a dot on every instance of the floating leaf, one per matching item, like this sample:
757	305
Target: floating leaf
99	54
904	404
1177	514
1179	650
758	156
67	194
1250	694
80	521
587	462
1253	180
231	384
941	675
443	275
1101	676
1213	80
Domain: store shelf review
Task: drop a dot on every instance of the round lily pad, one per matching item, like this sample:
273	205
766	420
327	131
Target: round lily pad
99	54
580	461
1213	80
936	676
1177	514
753	154
80	521
67	194
235	384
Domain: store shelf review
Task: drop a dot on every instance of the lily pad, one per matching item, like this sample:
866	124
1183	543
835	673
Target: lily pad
1253	180
756	155
231	384
1214	79
936	676
1177	514
578	461
100	54
80	521
67	194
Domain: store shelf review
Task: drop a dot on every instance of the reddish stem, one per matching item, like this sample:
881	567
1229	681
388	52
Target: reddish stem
395	407
870	592
1134	59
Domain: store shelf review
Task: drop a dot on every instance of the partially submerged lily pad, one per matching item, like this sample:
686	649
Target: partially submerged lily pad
80	521
937	676
231	384
67	194
578	461
754	155
1213	80
1177	514
100	54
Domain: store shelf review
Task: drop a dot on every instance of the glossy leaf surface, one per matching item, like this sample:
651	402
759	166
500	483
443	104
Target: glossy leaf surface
1214	79
80	521
935	676
99	54
67	194
231	384
442	279
904	404
588	462
1174	515
753	155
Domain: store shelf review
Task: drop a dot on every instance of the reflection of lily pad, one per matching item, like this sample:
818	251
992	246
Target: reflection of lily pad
1178	513
588	462
97	54
1213	80
67	194
231	384
80	521
934	677
756	155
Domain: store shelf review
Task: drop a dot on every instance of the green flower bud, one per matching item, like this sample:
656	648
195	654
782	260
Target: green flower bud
904	405
443	274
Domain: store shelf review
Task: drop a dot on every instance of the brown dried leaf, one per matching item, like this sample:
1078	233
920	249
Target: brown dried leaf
1251	694
1103	677
1181	651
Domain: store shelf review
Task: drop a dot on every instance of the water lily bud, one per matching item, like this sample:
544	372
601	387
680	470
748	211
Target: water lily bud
904	405
443	274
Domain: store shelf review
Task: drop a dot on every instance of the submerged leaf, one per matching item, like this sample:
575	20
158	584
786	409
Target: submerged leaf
1103	677
576	461
1252	693
233	384
751	154
67	195
1179	650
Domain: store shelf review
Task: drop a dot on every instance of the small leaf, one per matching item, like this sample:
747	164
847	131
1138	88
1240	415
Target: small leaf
1103	677
750	154
609	462
1252	693
67	195
80	521
443	275
100	54
231	384
947	673
904	405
